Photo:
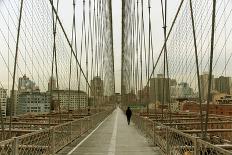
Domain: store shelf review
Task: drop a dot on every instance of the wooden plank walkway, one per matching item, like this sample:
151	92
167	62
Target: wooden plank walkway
112	137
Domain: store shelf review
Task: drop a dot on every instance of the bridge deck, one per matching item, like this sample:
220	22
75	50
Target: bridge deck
112	137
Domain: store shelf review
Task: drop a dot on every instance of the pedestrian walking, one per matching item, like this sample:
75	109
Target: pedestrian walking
128	115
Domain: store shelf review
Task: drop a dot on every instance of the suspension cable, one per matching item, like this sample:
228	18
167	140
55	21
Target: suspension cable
15	62
197	65
210	67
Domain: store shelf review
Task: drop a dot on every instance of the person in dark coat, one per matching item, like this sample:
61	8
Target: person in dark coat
128	115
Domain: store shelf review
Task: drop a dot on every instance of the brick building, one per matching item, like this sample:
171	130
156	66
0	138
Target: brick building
218	109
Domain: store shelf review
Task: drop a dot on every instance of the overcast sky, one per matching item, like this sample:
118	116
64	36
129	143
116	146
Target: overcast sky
179	49
8	26
66	14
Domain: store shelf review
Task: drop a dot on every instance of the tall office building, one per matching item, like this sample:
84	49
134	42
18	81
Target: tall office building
158	91
28	98
52	84
12	103
182	90
97	86
75	99
25	85
3	100
204	85
223	84
35	102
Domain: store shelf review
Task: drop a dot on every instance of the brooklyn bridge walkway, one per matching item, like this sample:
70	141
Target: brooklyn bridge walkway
112	137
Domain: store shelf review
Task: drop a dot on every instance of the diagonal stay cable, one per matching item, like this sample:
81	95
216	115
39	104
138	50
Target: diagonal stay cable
67	39
174	20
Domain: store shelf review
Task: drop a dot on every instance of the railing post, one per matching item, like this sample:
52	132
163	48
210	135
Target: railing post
15	146
195	146
141	123
81	127
153	133
144	125
91	122
53	141
138	121
146	128
167	142
71	132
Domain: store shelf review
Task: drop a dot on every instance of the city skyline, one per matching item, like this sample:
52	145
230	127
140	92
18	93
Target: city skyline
71	70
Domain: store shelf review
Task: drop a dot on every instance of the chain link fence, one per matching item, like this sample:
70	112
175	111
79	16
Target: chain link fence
174	142
51	140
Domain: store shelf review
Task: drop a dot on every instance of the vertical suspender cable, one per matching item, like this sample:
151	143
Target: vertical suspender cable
167	65
149	51
137	46
163	6
15	64
123	54
112	42
197	64
141	53
225	37
55	57
134	45
51	87
210	67
83	35
69	43
172	25
131	49
90	49
168	77
2	122
70	65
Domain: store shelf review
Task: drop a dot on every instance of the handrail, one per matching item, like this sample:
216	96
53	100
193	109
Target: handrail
53	139
173	141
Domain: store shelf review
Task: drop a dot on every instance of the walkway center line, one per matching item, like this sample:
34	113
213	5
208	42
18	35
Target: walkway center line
70	152
112	147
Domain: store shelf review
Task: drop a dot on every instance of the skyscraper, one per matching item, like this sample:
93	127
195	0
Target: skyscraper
25	84
204	85
13	100
182	90
52	84
3	100
159	91
223	84
74	99
36	102
97	86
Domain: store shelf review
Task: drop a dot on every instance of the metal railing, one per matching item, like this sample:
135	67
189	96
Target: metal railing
174	142
51	140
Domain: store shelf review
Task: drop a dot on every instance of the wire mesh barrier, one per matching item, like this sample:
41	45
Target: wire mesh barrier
6	147
175	142
209	149
179	143
61	135
51	140
33	143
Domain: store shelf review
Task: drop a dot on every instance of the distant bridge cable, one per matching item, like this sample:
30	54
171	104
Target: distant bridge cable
75	56
210	67
172	25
